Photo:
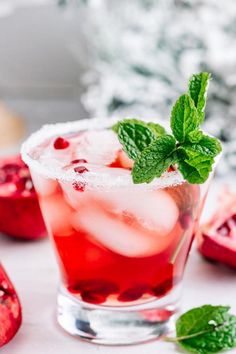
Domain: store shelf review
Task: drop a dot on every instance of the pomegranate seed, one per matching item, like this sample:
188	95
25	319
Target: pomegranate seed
61	143
79	186
94	290
133	294
163	288
93	298
186	220
80	169
79	161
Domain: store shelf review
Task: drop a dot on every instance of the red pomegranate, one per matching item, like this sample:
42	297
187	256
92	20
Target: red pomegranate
217	238
10	309
20	215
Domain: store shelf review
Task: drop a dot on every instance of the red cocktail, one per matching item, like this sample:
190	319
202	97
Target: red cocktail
121	247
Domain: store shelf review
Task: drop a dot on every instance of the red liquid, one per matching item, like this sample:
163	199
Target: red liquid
99	275
115	245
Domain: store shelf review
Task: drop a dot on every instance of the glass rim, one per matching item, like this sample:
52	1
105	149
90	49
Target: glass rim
92	179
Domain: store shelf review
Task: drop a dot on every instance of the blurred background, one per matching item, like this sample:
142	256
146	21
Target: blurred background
68	59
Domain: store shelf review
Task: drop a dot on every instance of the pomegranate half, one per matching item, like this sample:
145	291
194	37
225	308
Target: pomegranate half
10	309
217	238
20	214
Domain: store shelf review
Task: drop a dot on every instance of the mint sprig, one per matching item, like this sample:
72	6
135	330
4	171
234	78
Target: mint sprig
154	151
206	329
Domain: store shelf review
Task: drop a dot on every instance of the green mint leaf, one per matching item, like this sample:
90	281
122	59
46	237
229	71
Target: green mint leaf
198	85
207	329
194	166
184	118
155	159
134	137
200	319
156	128
195	136
115	127
207	146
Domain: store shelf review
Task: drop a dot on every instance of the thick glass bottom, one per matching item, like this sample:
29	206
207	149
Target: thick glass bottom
117	325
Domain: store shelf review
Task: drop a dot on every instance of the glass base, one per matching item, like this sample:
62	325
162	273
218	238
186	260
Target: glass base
117	325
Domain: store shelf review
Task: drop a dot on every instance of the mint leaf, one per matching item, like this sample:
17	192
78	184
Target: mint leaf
156	128
200	319
155	159
184	118
195	136
207	329
115	127
134	137
194	166
198	85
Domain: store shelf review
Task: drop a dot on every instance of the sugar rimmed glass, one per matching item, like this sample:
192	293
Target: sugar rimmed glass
121	248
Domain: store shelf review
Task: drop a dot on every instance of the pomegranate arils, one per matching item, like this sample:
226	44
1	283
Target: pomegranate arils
10	309
80	169
185	220
60	143
79	161
79	186
163	288
132	294
94	290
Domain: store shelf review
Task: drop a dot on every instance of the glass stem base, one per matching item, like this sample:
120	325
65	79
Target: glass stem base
117	325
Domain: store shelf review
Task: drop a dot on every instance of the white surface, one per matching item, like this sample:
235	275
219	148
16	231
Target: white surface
32	268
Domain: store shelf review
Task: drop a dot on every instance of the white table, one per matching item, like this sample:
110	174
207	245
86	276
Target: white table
32	268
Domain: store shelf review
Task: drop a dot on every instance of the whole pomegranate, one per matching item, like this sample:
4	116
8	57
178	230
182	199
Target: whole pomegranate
20	215
217	238
10	309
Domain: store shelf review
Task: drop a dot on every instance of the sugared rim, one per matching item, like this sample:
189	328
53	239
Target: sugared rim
92	179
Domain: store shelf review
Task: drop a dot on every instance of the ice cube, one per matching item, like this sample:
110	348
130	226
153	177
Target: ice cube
75	198
117	236
154	210
57	213
98	147
44	186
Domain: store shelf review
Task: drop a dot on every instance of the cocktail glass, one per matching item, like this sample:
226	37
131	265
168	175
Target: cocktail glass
121	248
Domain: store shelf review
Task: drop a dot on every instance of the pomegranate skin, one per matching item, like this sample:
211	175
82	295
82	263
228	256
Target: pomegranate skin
10	309
20	215
214	251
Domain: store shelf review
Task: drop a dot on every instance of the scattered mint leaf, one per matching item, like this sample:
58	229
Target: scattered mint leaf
205	330
184	118
155	159
134	137
198	85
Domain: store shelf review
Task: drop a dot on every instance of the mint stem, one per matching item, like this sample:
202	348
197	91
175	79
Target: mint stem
178	339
